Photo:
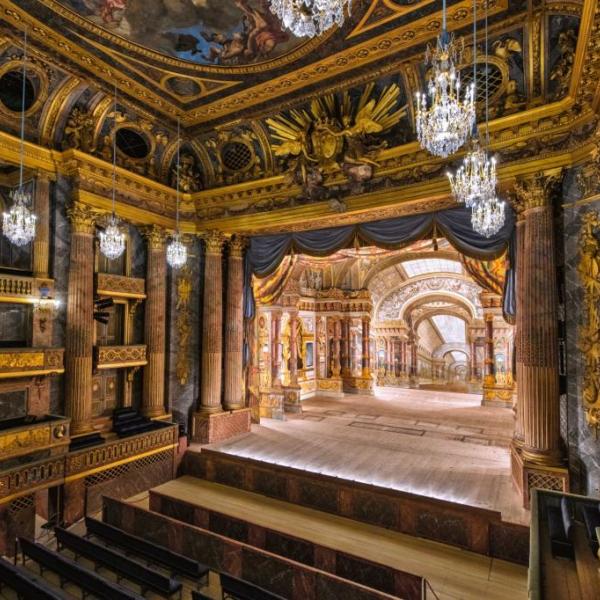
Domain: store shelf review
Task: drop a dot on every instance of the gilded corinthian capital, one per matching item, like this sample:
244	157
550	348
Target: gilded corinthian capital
236	246
214	242
82	218
155	237
536	190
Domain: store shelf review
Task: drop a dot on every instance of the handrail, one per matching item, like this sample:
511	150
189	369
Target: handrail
426	586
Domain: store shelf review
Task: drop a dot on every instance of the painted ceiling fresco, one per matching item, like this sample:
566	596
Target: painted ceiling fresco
210	32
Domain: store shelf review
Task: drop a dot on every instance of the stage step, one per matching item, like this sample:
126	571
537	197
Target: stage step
378	558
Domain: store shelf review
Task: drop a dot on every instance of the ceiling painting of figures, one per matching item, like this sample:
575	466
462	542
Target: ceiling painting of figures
209	32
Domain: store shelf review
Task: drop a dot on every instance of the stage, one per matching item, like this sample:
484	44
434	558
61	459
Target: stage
436	444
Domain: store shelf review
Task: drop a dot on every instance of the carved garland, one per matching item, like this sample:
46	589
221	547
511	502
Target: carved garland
589	331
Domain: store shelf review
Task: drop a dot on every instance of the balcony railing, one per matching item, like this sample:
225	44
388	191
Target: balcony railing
120	286
30	362
115	357
28	436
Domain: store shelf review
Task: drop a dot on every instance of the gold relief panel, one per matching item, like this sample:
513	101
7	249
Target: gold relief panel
113	357
27	362
120	286
31	438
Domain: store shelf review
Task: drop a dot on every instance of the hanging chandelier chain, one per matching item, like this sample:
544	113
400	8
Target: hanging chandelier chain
114	149
475	55
23	91
444	16
487	107
178	168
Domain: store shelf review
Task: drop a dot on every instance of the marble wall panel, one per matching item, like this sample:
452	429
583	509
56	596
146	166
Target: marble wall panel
258	568
182	396
583	447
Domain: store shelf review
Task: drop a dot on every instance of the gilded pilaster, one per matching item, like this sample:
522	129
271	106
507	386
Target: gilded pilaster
80	320
234	327
153	402
212	326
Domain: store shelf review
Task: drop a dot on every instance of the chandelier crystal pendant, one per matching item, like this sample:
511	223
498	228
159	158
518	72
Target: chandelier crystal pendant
176	250
112	239
310	18
18	223
444	124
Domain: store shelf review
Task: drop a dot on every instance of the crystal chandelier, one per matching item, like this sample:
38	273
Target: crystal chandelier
18	224
112	239
475	179
488	215
310	18
444	126
176	250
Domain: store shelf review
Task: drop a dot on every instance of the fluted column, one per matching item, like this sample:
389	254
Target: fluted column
212	326
519	330
474	366
336	365
234	328
366	347
490	364
346	358
538	387
293	348
275	348
80	320
153	400
41	243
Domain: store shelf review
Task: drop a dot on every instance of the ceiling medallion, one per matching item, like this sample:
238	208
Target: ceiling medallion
444	126
176	250
112	239
18	224
310	18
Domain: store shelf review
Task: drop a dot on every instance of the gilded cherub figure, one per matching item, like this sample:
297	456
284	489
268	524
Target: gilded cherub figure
79	131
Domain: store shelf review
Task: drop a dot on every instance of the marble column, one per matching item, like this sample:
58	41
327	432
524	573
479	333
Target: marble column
413	348
234	328
79	334
293	316
276	348
212	326
336	365
474	366
366	347
519	330
153	399
41	243
346	357
490	364
538	382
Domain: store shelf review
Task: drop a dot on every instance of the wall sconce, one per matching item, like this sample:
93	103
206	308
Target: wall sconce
45	307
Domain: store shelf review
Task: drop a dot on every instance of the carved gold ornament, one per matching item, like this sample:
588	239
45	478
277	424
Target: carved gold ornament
589	331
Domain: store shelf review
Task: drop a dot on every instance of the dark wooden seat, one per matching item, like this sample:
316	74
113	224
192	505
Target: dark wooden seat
200	596
591	520
27	584
238	589
560	545
126	567
69	570
152	552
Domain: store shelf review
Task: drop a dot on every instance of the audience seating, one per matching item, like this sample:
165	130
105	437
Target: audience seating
200	596
27	584
591	520
123	566
69	570
559	528
238	589
154	553
127	421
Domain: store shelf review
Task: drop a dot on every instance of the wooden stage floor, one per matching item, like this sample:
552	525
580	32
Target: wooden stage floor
436	444
453	573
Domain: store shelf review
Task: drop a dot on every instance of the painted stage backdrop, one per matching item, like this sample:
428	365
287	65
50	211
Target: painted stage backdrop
220	32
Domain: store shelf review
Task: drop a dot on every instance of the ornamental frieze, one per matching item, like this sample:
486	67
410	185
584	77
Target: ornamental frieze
121	286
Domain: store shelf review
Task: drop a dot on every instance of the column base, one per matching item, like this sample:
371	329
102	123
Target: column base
270	403
497	395
208	428
358	385
527	475
291	399
333	387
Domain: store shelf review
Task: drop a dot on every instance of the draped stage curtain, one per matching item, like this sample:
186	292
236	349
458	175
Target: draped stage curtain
266	252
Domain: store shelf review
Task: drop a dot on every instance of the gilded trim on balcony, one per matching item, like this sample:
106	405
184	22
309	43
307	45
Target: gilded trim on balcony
30	362
115	357
119	286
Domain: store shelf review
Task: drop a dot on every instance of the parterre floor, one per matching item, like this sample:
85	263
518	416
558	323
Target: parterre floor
439	444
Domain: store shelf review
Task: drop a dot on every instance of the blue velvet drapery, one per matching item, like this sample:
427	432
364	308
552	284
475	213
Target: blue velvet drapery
265	253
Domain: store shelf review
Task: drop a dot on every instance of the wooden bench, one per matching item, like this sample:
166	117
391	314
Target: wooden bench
27	584
238	589
154	553
69	570
123	566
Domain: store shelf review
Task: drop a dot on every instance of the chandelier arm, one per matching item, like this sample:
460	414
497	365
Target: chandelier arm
23	89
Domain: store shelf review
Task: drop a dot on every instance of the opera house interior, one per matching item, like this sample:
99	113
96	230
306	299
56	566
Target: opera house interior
300	299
